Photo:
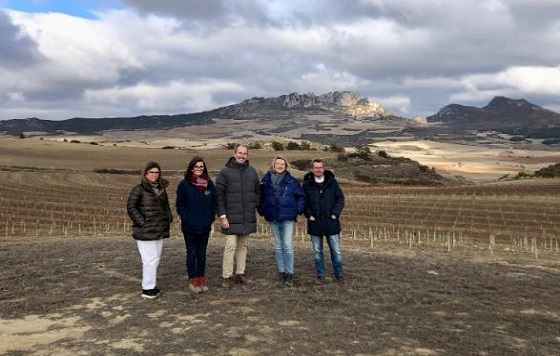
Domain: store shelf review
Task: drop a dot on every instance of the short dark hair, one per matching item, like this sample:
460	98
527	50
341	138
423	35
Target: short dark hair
318	160
190	167
150	165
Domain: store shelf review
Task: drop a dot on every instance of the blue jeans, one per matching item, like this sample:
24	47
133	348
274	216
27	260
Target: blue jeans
283	234
336	255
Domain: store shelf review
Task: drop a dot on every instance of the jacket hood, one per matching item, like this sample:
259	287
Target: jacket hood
232	163
329	175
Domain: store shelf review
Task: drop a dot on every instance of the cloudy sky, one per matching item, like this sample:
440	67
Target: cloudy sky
60	59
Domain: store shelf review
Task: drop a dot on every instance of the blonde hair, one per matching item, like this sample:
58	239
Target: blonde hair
277	158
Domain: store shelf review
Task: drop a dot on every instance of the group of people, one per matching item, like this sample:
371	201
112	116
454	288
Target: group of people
235	198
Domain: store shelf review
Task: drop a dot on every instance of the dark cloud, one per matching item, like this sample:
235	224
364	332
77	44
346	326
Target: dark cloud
404	51
16	48
217	13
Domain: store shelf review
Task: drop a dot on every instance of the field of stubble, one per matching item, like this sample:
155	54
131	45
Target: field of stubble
470	270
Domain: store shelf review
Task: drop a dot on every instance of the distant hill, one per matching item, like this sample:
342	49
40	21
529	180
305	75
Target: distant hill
343	103
514	116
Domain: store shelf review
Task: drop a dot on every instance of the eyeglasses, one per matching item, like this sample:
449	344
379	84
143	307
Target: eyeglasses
198	167
154	172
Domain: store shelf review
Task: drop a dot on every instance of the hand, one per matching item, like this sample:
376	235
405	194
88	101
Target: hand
224	221
311	218
333	217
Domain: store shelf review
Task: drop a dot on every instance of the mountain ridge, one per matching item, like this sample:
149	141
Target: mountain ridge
336	102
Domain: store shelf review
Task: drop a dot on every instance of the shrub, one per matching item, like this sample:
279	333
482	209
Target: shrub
277	146
75	141
255	145
305	146
336	148
517	138
302	164
362	152
549	172
551	141
168	148
293	146
382	154
93	143
230	145
22	135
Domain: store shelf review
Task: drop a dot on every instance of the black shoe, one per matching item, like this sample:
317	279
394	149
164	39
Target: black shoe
240	279
289	281
150	293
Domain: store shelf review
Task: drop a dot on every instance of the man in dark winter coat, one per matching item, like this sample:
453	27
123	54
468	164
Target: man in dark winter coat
238	193
148	208
324	202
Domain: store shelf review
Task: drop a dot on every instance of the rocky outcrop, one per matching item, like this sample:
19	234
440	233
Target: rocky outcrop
345	102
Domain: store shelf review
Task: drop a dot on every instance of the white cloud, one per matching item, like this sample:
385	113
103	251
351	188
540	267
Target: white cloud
396	104
415	56
173	97
514	81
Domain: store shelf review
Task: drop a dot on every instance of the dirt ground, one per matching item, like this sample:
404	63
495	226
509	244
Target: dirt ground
81	296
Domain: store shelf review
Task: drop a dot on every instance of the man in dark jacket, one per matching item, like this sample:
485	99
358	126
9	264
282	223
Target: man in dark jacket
148	208
324	202
238	193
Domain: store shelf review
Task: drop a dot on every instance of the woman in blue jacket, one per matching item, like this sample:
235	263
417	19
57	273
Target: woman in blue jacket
196	205
282	200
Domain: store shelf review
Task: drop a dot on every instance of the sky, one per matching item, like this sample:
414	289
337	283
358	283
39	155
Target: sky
63	59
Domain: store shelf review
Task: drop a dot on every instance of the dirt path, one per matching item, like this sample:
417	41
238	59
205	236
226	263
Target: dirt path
82	297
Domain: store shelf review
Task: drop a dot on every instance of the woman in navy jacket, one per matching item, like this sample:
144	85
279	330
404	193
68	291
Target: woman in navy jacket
196	205
282	200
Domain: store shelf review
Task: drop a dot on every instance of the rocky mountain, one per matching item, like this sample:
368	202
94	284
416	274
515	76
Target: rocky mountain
341	103
515	116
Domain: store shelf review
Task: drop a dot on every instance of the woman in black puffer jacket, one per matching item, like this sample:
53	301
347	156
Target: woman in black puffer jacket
148	208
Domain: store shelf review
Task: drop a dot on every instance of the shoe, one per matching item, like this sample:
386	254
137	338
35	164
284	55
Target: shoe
204	284
228	282
150	293
289	281
240	279
320	282
282	277
340	280
194	285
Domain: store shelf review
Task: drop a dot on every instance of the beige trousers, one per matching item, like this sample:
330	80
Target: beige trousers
235	251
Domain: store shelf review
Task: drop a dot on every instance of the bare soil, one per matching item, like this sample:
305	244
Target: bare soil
82	296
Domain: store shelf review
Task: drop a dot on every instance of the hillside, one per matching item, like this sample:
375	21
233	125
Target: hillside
517	117
344	104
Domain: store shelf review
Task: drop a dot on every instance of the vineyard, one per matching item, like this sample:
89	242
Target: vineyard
429	271
518	216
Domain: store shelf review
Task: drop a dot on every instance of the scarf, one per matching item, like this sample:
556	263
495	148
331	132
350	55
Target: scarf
200	183
157	188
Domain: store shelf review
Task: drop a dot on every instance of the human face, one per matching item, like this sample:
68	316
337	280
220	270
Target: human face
318	169
279	166
241	154
152	175
198	168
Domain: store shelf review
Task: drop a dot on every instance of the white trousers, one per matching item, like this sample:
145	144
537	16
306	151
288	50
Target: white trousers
150	252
